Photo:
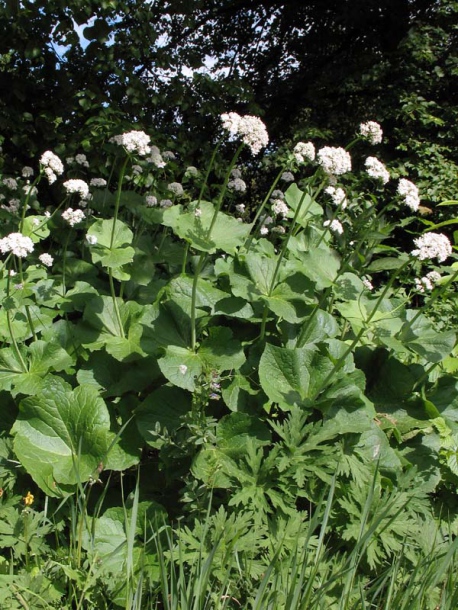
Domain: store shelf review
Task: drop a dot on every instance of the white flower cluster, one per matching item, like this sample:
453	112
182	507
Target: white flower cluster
192	171
432	245
77	186
287	177
334	161
251	129
237	185
134	142
371	131
98	182
166	203
91	239
240	207
277	194
10	183
169	155
46	259
82	160
367	283
409	191
156	158
27	171
52	166
376	169
334	225
151	201
427	282
280	208
176	189
304	151
18	244
337	195
73	217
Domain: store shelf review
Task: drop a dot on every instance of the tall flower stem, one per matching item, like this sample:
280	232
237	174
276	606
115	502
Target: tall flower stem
203	256
280	260
11	331
113	230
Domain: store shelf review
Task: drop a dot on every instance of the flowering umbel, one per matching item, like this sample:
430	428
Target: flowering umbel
371	131
20	245
250	128
134	142
334	161
409	191
432	245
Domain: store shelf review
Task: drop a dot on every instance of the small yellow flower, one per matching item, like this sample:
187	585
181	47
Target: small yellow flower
28	499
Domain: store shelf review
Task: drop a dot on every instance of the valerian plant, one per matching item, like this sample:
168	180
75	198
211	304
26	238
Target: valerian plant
248	351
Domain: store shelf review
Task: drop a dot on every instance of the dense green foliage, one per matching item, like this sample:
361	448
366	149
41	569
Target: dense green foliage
228	379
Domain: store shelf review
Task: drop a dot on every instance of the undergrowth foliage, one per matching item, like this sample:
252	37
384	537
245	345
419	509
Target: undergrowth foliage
276	366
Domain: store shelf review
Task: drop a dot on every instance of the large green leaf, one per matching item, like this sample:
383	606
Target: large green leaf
227	233
309	207
62	435
292	376
112	254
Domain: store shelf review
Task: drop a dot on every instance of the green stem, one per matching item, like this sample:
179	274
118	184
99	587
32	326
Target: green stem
118	200
203	256
26	202
280	260
10	330
115	304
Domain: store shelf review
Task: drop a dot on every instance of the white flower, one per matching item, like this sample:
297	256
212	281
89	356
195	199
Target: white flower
192	171
73	217
236	173
70	160
367	283
337	195
13	206
237	185
137	170
410	193
432	245
371	131
98	182
183	368
30	190
334	161
304	151
240	207
151	201
36	222
133	142
156	157
198	212
169	155
264	230
427	282
18	244
18	286
166	203
77	186
10	183
277	194
27	171
48	214
176	189
91	239
334	225
46	259
287	177
52	166
251	129
82	160
280	208
376	169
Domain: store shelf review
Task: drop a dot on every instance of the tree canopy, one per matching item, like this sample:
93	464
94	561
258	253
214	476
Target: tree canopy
173	66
